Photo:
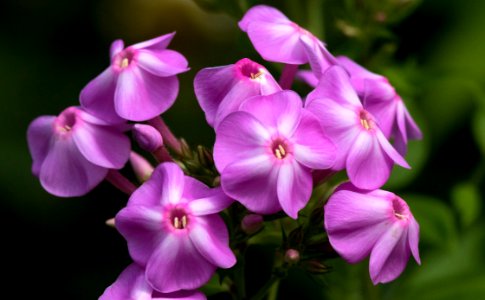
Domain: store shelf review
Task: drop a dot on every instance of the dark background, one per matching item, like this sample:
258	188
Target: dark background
431	50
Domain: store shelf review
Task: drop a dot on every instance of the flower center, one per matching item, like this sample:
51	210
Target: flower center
179	218
250	69
279	149
66	120
366	120
401	209
125	58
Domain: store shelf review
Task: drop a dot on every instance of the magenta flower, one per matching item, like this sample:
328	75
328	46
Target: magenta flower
265	153
72	152
131	285
220	90
379	223
382	101
139	84
173	230
278	39
362	148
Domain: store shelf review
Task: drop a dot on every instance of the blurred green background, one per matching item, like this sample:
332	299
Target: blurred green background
431	50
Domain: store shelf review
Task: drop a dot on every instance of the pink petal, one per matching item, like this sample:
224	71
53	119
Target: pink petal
311	146
277	42
294	187
140	95
262	13
116	47
318	56
279	111
389	255
130	285
368	166
158	43
211	239
162	63
358	73
39	135
241	91
176	264
354	222
236	145
66	173
252	182
212	204
308	77
390	151
103	146
413	237
179	295
194	189
165	186
384	111
211	85
98	95
335	84
339	124
141	227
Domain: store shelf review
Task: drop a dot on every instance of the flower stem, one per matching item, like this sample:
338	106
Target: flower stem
239	279
120	182
263	291
287	76
168	137
161	154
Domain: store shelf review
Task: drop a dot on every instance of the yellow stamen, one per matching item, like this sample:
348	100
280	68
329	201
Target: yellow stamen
184	222
176	223
400	216
257	75
124	63
278	154
365	124
282	150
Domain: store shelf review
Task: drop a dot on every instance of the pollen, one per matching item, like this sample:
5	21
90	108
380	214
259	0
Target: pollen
280	151
256	75
365	124
180	223
125	62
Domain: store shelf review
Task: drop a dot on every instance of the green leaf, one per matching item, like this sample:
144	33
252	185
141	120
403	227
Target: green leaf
435	218
478	127
466	199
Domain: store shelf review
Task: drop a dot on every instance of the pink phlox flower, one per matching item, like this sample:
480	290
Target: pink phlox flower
72	152
362	148
379	223
266	151
220	90
140	83
381	100
131	285
173	229
278	39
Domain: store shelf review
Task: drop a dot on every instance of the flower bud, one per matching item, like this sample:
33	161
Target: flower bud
252	223
141	167
147	137
292	256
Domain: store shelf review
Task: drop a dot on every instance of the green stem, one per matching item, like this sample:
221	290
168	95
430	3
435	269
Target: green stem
239	278
266	287
273	291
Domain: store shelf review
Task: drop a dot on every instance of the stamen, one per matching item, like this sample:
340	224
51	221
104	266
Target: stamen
176	223
257	75
278	153
365	124
282	150
400	216
124	63
184	221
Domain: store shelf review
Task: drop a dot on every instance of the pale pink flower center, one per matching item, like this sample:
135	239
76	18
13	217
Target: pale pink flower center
124	58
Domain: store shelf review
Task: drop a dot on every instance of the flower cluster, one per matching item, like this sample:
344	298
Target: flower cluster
271	147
